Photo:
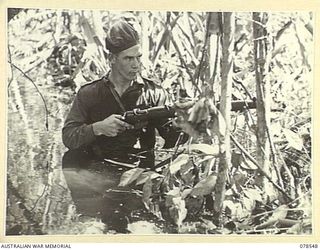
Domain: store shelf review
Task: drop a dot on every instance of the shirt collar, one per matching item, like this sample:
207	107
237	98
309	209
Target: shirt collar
138	81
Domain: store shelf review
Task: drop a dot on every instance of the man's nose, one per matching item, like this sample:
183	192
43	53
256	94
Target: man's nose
136	62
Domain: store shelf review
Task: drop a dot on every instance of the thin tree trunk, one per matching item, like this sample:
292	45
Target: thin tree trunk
263	97
145	39
225	106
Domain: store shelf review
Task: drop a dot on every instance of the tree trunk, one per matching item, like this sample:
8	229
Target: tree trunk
261	57
225	106
145	41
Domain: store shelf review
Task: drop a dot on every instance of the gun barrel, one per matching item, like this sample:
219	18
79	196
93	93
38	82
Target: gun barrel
241	105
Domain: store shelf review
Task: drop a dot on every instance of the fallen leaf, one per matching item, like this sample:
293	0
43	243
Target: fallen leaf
295	141
252	194
185	193
130	176
278	214
147	192
178	162
205	148
178	211
174	192
205	186
144	177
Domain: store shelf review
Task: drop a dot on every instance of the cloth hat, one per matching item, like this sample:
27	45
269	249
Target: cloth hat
120	37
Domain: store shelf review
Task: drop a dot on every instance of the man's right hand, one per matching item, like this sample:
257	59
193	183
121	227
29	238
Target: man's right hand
111	126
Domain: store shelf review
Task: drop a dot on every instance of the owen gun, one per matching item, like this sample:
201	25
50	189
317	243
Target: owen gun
140	116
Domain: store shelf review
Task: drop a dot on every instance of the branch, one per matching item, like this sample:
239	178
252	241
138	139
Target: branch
215	69
166	34
247	154
283	29
204	48
185	64
244	88
302	49
251	20
10	81
44	101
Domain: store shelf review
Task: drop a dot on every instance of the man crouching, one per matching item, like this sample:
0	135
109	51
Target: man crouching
94	123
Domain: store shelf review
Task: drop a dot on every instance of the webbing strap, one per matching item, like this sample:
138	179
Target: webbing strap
115	95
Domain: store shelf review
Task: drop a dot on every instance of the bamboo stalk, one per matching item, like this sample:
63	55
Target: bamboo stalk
225	107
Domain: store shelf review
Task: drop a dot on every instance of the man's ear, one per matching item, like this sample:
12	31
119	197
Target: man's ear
112	58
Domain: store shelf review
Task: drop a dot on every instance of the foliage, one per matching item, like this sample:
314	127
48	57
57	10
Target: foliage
68	46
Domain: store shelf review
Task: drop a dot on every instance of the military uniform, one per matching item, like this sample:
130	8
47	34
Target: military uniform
98	100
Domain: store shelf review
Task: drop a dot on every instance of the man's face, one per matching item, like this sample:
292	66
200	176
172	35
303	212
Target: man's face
127	63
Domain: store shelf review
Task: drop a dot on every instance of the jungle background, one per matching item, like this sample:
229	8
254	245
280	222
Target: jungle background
243	172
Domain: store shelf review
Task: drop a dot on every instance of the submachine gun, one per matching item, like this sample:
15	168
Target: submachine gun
154	114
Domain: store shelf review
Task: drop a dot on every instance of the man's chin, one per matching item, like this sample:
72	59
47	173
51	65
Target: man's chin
132	76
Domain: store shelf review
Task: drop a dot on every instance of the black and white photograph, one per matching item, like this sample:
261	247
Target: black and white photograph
159	122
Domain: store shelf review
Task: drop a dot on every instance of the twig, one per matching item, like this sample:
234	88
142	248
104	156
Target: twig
302	49
185	34
215	69
44	101
302	196
123	164
265	230
251	20
10	81
185	64
43	192
168	30
273	156
260	38
247	154
244	88
288	209
136	192
282	30
177	145
204	48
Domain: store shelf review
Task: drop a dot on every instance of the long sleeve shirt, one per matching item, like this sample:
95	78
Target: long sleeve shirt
96	101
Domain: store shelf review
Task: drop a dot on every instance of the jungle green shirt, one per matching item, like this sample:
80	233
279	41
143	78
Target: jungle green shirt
95	102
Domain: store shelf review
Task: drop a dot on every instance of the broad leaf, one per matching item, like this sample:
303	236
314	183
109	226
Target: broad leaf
187	175
147	192
185	193
248	204
229	192
231	205
253	194
130	176
205	186
294	140
174	192
178	211
208	224
144	177
236	210
205	148
278	214
178	162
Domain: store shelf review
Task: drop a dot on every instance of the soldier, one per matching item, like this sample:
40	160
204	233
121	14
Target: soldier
94	123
